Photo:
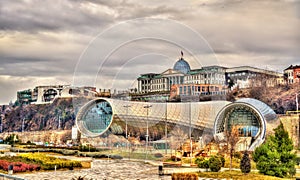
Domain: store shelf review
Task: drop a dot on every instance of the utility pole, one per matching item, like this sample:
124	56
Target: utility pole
298	130
297	104
126	128
147	133
59	123
1	126
166	128
23	124
190	132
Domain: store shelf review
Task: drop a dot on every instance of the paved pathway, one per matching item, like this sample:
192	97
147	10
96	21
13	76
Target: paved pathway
103	169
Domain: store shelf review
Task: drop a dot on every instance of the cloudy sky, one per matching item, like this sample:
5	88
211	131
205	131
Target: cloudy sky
107	44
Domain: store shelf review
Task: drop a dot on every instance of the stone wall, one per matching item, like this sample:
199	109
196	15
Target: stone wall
291	124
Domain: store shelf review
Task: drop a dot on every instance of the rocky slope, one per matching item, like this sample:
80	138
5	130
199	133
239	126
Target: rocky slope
40	116
280	98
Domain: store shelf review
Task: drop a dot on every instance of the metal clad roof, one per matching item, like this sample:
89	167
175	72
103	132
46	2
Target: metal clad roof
263	108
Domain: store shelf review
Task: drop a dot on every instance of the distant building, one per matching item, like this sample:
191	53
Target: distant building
185	83
292	74
247	76
42	94
280	79
25	96
46	94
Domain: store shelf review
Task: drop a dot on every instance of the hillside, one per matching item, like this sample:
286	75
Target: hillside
41	116
281	98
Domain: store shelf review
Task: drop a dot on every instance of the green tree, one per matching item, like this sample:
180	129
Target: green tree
245	163
12	139
275	156
202	162
214	163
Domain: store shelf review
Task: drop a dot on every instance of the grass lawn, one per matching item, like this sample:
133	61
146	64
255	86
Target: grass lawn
238	175
135	155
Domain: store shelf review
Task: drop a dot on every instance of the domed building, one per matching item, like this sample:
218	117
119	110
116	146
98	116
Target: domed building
182	82
182	66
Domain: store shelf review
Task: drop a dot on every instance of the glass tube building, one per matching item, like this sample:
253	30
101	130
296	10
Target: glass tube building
198	119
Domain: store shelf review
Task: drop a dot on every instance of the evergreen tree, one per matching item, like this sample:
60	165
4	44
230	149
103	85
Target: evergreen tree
275	156
214	164
245	163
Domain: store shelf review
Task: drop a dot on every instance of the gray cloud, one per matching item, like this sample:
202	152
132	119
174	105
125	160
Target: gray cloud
33	16
42	41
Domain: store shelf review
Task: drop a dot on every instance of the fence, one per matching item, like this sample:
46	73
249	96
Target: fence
9	177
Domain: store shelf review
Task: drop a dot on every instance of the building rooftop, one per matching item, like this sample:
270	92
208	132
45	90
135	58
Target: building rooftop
182	66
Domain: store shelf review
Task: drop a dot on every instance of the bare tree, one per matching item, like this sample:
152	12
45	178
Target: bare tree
66	136
46	137
178	137
55	138
232	138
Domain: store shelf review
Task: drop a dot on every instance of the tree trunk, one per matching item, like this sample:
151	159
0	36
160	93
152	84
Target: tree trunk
230	160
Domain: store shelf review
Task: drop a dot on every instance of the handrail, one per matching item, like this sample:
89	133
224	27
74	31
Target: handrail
11	177
292	112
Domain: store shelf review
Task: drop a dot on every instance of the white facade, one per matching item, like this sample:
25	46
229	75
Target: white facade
290	75
162	82
159	82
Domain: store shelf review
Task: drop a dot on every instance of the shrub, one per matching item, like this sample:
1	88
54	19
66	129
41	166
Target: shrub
245	165
214	163
199	159
222	160
297	160
202	162
18	166
237	155
158	155
88	148
174	158
12	139
184	176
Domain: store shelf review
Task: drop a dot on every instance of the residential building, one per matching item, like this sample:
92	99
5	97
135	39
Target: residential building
247	76
292	74
46	94
25	96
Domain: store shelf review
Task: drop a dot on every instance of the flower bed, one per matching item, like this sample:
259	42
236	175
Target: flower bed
48	162
36	161
19	166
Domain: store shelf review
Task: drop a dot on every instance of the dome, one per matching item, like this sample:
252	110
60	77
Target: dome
264	109
182	66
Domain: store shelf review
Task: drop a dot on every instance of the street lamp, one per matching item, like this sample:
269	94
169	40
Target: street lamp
1	125
126	130
297	104
190	133
147	133
297	107
166	128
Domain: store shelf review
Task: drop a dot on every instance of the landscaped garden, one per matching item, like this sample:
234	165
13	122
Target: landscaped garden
35	162
275	157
